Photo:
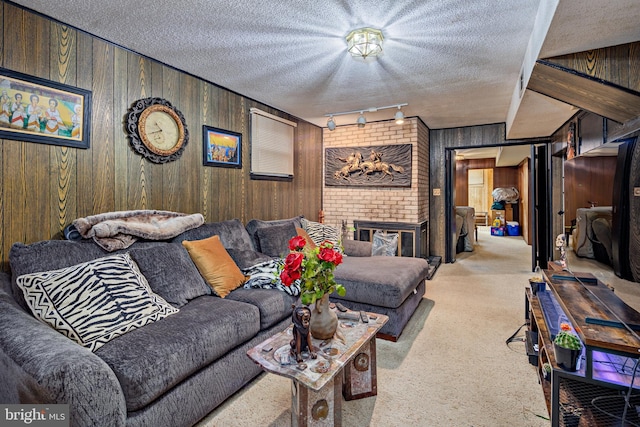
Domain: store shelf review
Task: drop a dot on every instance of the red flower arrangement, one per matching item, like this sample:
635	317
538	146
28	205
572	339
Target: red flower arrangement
313	267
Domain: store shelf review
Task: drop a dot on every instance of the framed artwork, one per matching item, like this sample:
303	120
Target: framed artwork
42	111
375	166
221	147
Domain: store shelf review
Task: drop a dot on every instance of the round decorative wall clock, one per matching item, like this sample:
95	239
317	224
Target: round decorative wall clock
157	130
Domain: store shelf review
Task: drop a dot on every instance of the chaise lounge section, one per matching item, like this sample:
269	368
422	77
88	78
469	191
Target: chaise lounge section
393	286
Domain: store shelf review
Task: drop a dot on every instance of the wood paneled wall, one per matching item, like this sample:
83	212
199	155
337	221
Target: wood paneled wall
587	179
616	64
502	177
43	188
524	171
440	141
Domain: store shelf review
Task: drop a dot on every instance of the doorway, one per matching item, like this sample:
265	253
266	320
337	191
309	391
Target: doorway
480	186
474	174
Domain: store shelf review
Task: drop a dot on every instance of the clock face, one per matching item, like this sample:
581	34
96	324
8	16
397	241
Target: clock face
161	130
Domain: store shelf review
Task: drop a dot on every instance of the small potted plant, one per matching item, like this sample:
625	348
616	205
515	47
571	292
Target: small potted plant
536	282
568	348
546	371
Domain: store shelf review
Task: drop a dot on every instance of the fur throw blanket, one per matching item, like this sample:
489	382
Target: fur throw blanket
119	230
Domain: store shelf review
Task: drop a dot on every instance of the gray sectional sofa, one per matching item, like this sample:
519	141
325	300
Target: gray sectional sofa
174	371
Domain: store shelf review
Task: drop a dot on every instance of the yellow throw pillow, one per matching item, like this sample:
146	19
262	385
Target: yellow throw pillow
215	265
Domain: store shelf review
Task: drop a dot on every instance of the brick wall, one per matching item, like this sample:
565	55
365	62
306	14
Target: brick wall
381	203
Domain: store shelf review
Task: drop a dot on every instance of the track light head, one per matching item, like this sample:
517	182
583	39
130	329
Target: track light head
331	124
399	116
361	120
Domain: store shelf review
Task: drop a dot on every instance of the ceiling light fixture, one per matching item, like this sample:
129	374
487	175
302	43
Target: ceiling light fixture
331	124
365	42
362	120
399	116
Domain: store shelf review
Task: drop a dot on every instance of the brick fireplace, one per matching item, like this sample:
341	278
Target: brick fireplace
381	204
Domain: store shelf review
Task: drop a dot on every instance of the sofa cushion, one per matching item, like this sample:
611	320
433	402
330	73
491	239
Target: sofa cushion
170	273
151	360
380	280
246	258
357	247
94	302
274	240
255	224
48	255
274	305
215	265
53	255
232	234
320	232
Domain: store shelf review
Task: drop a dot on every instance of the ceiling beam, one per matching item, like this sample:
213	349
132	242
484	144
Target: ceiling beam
586	92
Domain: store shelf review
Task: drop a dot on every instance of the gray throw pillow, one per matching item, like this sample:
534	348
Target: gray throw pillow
255	224
171	273
245	259
274	240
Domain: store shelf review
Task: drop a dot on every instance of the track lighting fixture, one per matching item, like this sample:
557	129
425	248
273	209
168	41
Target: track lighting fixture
362	120
331	124
399	116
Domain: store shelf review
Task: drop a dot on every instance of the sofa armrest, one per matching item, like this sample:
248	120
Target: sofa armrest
357	248
40	365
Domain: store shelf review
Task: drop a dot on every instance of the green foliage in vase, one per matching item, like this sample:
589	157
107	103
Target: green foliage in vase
313	267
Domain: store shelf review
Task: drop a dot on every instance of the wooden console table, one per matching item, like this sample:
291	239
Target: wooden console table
594	395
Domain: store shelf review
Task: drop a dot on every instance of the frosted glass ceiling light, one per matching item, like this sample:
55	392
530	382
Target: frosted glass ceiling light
361	120
365	42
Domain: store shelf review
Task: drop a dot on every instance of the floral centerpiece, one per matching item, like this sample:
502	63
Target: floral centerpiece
314	268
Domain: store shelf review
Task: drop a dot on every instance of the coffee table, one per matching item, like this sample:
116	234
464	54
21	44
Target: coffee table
347	368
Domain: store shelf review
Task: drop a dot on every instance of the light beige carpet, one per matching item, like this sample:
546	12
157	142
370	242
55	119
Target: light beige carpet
451	366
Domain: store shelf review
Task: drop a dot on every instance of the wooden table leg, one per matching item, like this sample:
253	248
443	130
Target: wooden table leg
360	374
317	408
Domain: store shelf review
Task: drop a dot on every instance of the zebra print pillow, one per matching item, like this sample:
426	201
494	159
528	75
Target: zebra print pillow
94	302
321	232
266	275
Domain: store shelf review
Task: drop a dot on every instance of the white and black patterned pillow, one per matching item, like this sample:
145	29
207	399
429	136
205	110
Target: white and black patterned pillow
266	275
94	302
321	232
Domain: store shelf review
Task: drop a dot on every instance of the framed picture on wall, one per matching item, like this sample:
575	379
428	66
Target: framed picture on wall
221	147
43	111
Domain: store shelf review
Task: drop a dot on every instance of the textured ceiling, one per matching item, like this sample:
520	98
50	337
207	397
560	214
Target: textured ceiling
456	62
